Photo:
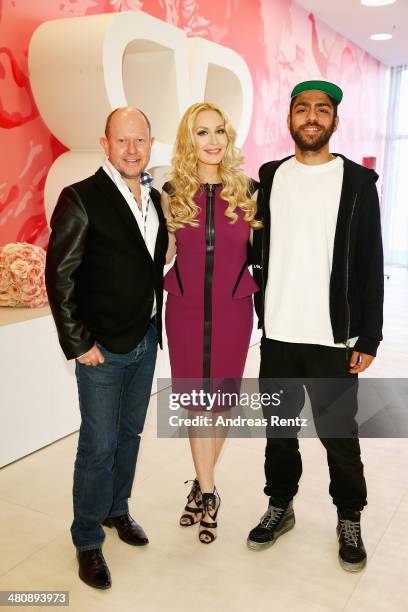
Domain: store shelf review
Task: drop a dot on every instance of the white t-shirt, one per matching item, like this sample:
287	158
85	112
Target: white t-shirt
304	205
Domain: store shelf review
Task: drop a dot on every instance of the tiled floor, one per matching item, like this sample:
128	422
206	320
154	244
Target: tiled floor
175	572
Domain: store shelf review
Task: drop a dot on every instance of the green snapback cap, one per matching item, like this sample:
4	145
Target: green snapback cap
330	89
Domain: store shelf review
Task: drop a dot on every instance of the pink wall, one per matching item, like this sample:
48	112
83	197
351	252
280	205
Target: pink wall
280	42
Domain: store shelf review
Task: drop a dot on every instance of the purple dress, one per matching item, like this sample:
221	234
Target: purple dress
209	311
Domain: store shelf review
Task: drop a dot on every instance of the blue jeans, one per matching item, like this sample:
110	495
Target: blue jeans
113	400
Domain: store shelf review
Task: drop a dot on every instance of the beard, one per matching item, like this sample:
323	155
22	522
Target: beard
315	143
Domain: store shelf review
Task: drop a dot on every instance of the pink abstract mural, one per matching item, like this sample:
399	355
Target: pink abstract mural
280	42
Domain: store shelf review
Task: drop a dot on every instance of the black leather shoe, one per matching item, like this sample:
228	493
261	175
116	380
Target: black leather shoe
129	531
93	569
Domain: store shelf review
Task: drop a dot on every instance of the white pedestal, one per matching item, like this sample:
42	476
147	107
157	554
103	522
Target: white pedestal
38	397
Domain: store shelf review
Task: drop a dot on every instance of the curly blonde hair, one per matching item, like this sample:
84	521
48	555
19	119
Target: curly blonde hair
185	182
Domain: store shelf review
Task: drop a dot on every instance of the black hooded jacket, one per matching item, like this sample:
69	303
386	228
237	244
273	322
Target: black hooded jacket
357	275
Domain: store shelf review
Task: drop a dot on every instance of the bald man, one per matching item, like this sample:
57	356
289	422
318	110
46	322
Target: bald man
104	280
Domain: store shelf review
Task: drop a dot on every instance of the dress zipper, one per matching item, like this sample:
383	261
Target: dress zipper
210	227
209	268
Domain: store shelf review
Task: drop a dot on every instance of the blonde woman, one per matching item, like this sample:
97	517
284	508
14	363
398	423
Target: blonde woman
210	215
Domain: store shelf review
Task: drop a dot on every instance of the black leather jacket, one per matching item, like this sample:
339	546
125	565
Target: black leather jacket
100	277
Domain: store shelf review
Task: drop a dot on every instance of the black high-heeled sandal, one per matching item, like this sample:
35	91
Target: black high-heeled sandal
194	495
211	505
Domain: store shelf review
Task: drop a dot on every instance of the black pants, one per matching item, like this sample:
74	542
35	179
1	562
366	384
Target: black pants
283	463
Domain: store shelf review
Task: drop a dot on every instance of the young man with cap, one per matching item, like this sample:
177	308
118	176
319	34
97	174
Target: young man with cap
319	264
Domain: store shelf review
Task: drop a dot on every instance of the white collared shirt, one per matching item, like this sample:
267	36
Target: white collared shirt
147	218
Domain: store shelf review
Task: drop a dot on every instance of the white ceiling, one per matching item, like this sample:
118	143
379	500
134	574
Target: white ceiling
357	22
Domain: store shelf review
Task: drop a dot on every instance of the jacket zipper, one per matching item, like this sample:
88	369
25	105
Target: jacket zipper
348	313
263	265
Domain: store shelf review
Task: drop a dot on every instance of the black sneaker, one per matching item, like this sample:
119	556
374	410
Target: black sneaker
352	554
277	520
